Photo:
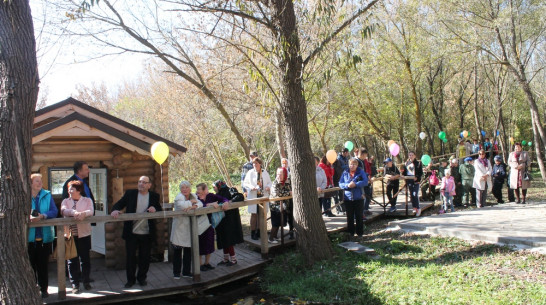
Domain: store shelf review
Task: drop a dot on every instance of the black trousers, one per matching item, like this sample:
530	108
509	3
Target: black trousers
38	254
392	189
511	195
497	191
83	261
355	209
181	262
142	243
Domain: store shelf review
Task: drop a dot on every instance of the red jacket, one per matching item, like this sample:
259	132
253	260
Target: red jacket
329	170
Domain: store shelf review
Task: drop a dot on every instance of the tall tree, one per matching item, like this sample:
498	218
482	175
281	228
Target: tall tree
18	96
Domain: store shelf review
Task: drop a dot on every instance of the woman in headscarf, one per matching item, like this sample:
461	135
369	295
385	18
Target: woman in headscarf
229	231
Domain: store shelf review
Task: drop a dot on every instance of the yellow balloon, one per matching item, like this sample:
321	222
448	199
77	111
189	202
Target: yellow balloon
331	155
511	140
390	143
160	152
465	133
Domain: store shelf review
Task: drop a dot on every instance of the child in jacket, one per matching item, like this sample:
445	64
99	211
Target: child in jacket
447	190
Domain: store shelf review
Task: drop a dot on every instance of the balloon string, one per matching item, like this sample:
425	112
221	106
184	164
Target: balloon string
162	191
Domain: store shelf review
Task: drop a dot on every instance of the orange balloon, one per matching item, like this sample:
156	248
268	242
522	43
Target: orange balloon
390	143
331	155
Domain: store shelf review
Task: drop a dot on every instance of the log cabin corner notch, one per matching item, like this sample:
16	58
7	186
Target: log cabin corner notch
117	152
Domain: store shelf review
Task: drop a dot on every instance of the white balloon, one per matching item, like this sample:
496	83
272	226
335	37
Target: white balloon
422	135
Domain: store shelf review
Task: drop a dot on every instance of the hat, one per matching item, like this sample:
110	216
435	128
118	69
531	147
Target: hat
467	159
443	160
387	160
345	150
498	158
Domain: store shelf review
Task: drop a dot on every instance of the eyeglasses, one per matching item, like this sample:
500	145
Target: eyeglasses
143	182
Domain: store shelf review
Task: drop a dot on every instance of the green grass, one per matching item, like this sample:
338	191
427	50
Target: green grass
413	269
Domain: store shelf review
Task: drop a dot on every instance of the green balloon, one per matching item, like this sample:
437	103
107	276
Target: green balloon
349	145
425	159
445	140
530	143
523	142
442	135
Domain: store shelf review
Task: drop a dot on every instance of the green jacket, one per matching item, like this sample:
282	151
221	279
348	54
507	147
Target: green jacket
467	171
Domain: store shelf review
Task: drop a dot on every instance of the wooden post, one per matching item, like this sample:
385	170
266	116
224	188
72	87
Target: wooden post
262	221
407	189
195	249
61	276
383	190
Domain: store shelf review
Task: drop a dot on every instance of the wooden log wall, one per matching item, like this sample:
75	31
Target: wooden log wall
124	175
124	170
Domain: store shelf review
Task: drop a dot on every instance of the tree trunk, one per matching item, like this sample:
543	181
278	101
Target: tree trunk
312	238
18	96
279	134
540	157
476	115
418	119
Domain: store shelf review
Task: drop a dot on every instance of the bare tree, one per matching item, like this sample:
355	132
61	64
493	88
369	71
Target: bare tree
18	97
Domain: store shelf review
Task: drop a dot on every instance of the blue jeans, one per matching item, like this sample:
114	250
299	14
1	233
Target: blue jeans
448	202
413	189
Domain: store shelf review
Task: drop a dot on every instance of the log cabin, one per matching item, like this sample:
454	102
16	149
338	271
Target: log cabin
117	153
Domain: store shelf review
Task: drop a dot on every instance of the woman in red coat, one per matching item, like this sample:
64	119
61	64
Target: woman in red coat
326	200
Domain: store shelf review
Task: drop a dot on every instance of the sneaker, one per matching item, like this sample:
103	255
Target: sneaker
418	213
203	268
87	286
414	210
129	284
392	210
143	283
176	277
189	275
441	212
330	214
273	241
231	263
223	263
76	289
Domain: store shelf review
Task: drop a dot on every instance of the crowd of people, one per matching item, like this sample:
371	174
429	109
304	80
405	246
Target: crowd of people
456	184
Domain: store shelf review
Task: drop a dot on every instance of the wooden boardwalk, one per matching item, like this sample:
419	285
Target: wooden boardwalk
109	284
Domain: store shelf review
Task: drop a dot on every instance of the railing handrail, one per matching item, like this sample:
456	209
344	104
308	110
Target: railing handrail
160	214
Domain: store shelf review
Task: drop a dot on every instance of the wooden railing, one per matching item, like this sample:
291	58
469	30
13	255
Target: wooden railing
193	214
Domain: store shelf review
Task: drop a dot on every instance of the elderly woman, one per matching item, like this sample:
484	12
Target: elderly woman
79	207
229	231
482	178
40	239
281	188
206	239
352	181
181	232
519	163
257	183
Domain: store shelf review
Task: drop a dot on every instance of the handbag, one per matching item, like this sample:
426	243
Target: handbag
202	224
526	176
216	218
433	179
70	250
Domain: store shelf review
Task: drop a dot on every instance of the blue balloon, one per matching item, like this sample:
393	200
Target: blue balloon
498	133
483	133
461	134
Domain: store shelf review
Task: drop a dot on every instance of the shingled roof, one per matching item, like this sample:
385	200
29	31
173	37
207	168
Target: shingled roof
62	117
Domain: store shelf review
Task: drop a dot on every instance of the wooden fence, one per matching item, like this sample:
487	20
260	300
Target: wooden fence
193	214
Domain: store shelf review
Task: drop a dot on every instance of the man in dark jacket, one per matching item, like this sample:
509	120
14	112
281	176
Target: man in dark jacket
138	234
498	174
391	172
458	198
341	164
81	173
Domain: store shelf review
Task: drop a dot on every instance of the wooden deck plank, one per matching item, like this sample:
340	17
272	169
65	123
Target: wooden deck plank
109	284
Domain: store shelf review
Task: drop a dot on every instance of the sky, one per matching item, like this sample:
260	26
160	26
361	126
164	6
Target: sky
62	67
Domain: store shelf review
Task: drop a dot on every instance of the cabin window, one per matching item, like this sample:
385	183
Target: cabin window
57	178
